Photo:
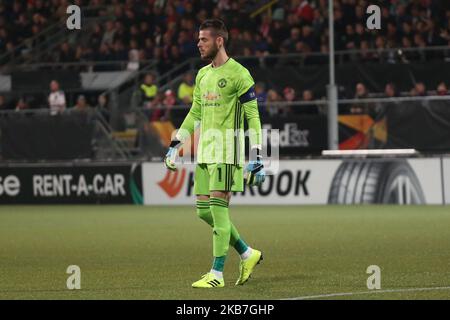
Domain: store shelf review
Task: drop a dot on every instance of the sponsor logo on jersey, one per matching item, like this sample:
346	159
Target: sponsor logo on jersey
211	96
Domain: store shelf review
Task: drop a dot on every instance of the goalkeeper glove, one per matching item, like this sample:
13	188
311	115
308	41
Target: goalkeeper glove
171	155
255	171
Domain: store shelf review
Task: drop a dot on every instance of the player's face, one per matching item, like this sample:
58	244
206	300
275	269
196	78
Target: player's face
207	45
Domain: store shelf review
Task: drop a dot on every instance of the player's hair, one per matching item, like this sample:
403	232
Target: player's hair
217	27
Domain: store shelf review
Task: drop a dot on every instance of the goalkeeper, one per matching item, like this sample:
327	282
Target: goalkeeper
223	95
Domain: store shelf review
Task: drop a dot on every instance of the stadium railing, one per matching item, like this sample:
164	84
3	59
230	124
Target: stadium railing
376	123
87	66
388	55
422	123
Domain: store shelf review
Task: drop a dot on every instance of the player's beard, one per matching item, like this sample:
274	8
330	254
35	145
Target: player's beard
212	54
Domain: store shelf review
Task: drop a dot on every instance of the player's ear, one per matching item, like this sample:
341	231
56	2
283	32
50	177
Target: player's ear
219	42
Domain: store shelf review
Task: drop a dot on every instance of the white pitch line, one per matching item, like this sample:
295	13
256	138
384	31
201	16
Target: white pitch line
366	292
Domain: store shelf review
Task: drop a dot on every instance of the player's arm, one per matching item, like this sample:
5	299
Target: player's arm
247	98
250	105
192	119
186	129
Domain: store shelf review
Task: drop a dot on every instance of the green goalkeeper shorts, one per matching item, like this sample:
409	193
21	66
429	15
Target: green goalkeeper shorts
218	177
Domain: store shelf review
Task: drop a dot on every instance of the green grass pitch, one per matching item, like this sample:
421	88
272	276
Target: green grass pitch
137	252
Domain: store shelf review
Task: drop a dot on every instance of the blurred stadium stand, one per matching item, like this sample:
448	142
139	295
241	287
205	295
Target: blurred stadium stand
390	81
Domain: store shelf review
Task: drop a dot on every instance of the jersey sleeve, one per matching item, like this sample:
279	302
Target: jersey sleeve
244	82
194	116
254	123
247	98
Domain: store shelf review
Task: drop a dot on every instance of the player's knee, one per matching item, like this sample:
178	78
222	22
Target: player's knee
201	197
220	194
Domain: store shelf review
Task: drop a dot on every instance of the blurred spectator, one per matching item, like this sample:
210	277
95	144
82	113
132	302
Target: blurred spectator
261	97
81	105
186	88
96	37
171	26
103	108
289	95
442	89
308	95
156	110
174	57
169	98
419	90
133	60
66	54
149	90
271	105
103	54
108	35
56	99
360	93
305	12
118	51
364	53
265	26
21	105
291	42
260	92
167	31
310	108
261	46
390	90
83	54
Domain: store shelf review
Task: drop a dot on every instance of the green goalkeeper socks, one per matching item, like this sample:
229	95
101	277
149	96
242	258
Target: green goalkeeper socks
241	246
222	226
218	264
204	213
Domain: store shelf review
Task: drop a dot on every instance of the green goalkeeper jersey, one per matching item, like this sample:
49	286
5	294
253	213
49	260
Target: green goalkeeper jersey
222	97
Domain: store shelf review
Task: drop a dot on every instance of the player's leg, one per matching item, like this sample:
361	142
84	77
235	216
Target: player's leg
221	230
221	182
225	178
250	257
235	240
210	210
201	189
204	213
220	177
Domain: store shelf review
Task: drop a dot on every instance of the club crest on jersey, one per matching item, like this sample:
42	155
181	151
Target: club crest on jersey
222	83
